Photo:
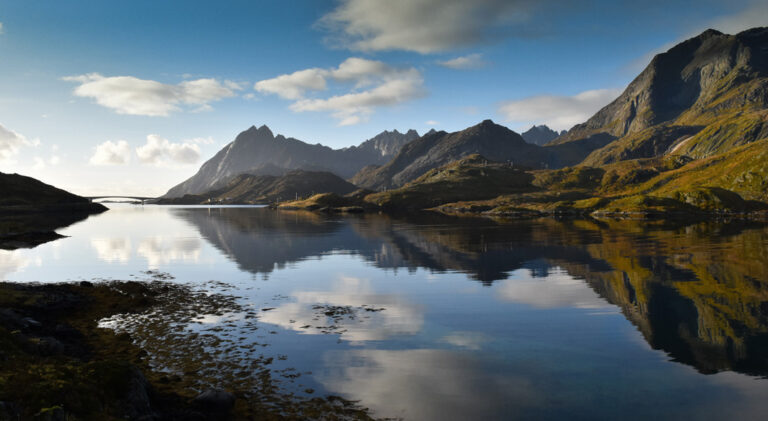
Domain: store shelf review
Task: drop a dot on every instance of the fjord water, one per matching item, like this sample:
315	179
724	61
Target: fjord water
432	318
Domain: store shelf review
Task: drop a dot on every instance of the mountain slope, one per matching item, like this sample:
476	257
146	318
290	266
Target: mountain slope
26	194
488	139
259	151
264	189
494	142
704	96
32	210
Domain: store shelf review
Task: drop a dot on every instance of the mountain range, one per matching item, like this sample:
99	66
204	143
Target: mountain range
258	151
388	160
688	128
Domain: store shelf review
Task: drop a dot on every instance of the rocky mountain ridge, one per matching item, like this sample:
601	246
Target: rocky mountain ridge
258	151
541	135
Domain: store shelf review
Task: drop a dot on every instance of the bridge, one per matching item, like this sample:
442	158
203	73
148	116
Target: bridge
141	199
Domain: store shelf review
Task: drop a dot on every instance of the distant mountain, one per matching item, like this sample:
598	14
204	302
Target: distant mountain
492	141
704	96
264	189
540	135
258	151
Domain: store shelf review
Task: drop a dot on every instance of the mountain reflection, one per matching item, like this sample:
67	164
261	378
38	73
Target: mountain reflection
698	292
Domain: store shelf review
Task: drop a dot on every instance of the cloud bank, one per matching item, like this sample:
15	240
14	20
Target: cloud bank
374	84
557	112
134	96
423	26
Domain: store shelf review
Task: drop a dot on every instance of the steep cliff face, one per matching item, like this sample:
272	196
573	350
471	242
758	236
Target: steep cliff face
712	89
258	151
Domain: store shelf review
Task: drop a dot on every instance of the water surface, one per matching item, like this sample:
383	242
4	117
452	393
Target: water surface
434	318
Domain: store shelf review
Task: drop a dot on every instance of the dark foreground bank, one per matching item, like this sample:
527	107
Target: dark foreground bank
56	363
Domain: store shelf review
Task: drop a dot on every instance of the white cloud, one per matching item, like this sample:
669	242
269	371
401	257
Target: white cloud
11	142
1	28
423	26
557	112
363	72
432	123
130	95
235	86
471	61
355	107
162	152
294	85
389	86
111	153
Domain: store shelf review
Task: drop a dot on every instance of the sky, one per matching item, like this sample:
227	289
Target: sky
132	97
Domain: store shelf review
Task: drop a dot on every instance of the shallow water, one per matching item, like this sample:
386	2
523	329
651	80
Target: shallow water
435	318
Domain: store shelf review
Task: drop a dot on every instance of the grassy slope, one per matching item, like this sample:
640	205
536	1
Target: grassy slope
470	178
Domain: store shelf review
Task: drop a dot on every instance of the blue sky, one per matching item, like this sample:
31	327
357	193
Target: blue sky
131	97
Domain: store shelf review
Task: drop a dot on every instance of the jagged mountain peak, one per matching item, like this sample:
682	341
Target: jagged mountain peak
696	77
434	149
255	148
539	135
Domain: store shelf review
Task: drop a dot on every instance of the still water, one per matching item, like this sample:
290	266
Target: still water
436	318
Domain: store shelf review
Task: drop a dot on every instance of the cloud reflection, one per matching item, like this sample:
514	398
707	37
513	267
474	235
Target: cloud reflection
162	251
12	262
557	289
112	250
307	312
426	384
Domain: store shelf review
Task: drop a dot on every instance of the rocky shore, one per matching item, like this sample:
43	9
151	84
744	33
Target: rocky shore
57	363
